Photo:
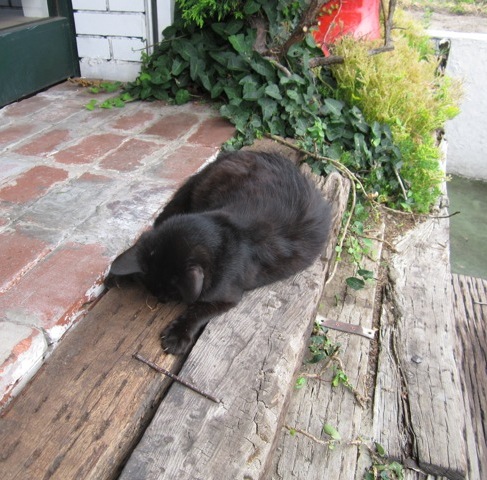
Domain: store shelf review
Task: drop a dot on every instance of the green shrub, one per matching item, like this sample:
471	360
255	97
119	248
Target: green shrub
274	91
402	89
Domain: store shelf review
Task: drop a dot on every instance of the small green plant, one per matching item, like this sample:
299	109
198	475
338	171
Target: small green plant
403	90
357	283
300	383
334	435
381	468
321	347
108	87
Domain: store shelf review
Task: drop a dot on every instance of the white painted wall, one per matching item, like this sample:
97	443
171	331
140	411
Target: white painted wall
467	133
112	34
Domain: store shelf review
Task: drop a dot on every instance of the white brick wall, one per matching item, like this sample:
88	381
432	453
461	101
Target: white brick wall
111	36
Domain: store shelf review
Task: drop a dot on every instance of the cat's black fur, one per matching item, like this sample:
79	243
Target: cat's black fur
246	220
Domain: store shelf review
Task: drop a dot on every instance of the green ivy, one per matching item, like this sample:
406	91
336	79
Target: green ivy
261	94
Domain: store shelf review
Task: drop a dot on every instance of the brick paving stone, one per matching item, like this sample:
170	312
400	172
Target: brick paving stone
135	122
18	252
21	352
33	184
14	134
89	149
43	144
125	215
12	166
173	126
70	205
129	155
184	161
52	293
60	112
213	131
76	188
26	107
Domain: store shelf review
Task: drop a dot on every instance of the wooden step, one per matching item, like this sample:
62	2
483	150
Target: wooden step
470	310
84	411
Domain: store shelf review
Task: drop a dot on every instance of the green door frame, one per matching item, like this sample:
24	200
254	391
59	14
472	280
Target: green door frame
36	55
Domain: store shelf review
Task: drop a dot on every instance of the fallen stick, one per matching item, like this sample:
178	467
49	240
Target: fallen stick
175	378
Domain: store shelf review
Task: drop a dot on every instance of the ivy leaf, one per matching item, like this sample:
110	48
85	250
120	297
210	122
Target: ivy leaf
196	68
333	107
269	107
182	96
366	274
380	449
355	283
240	43
216	90
331	431
91	105
251	7
178	65
185	48
264	68
272	91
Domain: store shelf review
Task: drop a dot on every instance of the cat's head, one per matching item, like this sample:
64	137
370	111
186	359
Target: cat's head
172	261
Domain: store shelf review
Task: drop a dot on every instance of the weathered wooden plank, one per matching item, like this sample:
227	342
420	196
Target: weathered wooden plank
247	358
81	415
418	409
318	403
470	308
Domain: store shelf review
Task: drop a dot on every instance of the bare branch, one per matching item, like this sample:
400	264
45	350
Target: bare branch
307	21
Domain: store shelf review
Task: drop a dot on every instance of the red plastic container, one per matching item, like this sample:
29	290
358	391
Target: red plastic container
359	18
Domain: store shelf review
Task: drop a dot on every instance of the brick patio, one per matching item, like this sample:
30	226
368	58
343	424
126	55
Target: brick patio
76	188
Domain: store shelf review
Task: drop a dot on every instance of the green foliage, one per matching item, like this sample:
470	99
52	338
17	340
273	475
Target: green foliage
209	52
402	89
381	468
261	96
300	383
321	347
108	87
199	12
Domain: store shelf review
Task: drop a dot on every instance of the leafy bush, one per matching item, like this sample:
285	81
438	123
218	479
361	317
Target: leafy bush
402	89
269	88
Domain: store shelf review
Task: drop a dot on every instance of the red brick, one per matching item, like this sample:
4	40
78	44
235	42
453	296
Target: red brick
27	107
18	253
25	347
133	122
213	132
14	134
52	292
93	178
90	148
43	144
60	112
173	126
184	162
129	155
32	184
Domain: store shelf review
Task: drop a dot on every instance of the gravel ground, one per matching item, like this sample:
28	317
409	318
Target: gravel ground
454	23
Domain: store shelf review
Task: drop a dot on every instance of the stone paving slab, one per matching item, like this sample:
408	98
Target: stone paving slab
76	188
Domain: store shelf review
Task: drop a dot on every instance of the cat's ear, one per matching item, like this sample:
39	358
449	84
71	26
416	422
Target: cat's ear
191	284
126	263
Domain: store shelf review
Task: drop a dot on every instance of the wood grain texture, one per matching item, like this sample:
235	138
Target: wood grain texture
470	308
318	403
419	416
248	358
81	415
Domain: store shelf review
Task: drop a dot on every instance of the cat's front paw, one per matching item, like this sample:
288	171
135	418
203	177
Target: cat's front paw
175	339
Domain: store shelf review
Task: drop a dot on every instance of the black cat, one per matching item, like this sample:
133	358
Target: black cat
245	220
